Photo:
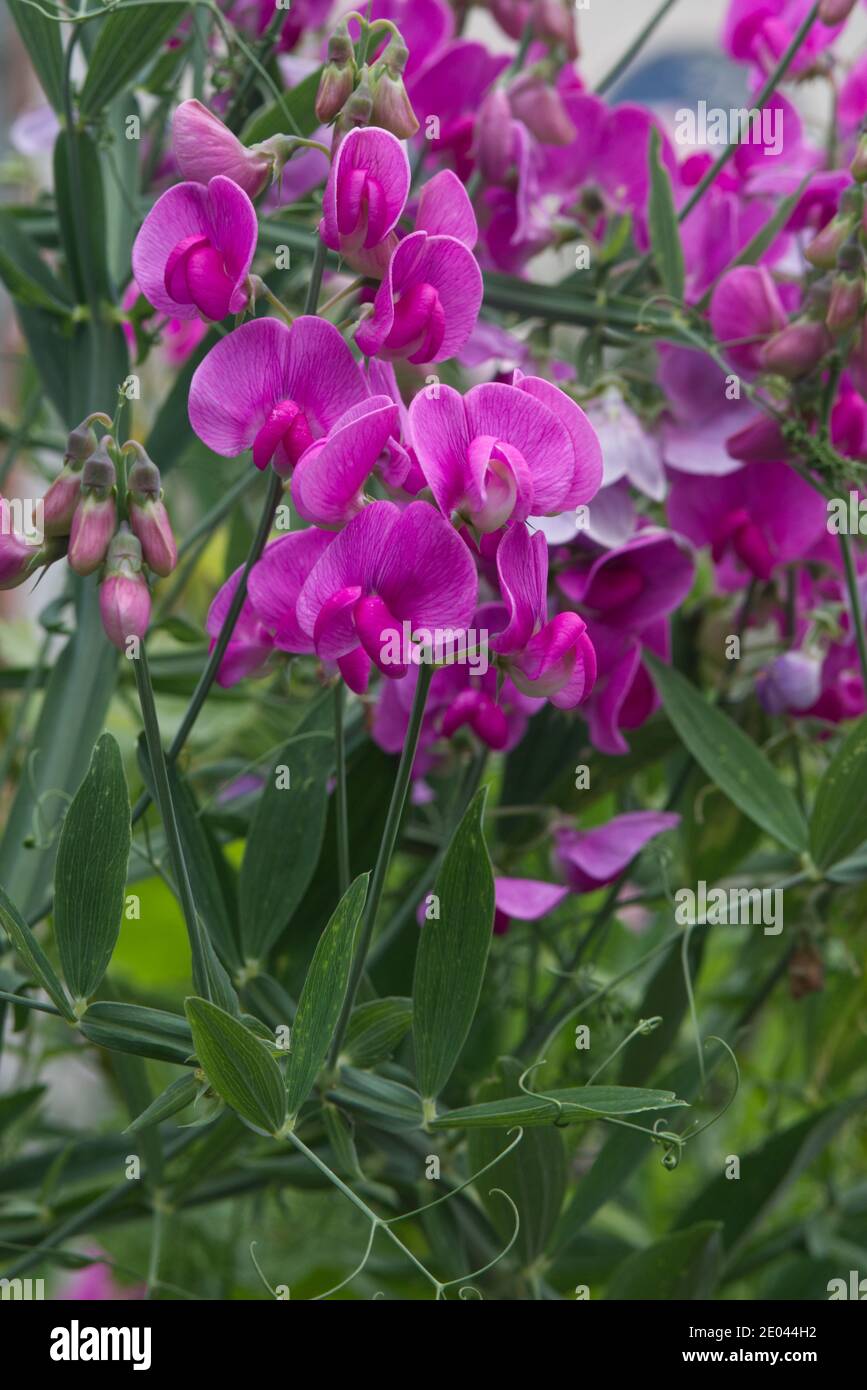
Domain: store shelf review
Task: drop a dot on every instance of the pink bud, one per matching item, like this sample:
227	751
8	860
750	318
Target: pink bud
541	109
95	516
554	20
833	12
494	137
826	244
392	108
147	512
338	75
60	501
16	556
124	596
847	302
796	350
204	147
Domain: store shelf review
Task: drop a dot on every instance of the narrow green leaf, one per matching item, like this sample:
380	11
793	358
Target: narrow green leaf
839	821
293	114
662	224
142	1031
730	759
174	1098
207	870
577	1105
284	841
239	1067
682	1266
17	1103
375	1029
127	41
452	952
534	1174
322	996
32	954
78	180
385	1104
91	871
41	38
340	1136
25	274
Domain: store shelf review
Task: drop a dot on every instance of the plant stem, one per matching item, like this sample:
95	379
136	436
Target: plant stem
386	849
315	281
634	48
343	871
855	604
209	674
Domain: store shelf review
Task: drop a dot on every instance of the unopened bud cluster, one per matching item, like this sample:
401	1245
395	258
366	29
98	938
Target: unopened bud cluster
352	96
80	512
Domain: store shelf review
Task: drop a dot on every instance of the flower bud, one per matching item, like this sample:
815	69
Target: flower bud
19	557
847	292
833	12
147	512
826	245
796	349
541	109
391	106
554	20
124	596
204	147
858	167
95	516
338	76
494	128
792	682
357	111
61	499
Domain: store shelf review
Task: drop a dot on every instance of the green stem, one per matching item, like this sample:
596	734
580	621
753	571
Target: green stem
269	40
209	674
343	871
315	281
855	604
386	849
634	48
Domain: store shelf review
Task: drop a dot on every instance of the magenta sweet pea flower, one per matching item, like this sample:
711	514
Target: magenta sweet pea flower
386	568
327	482
366	191
746	306
504	452
193	252
251	643
590	859
428	303
204	147
552	659
755	519
274	389
632	586
525	899
277	579
760	31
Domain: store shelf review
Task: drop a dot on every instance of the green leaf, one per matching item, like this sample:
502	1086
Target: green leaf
41	38
765	1175
32	954
681	1266
577	1105
839	821
293	114
340	1136
173	1099
142	1031
322	996
375	1029
25	274
730	759
534	1174
239	1067
126	43
384	1103
207	870
284	841
91	871
17	1103
78	180
662	224
452	952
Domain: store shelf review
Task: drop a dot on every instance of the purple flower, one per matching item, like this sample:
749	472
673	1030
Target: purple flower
278	578
503	452
429	301
366	191
385	568
327	482
552	659
274	389
760	31
526	899
792	682
204	147
193	252
592	858
251	643
632	586
745	305
624	696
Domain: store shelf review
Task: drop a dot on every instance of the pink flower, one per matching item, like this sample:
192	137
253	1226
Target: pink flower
124	596
327	482
194	249
745	305
552	659
251	643
385	568
592	858
503	452
274	389
366	191
525	899
277	580
428	303
204	147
